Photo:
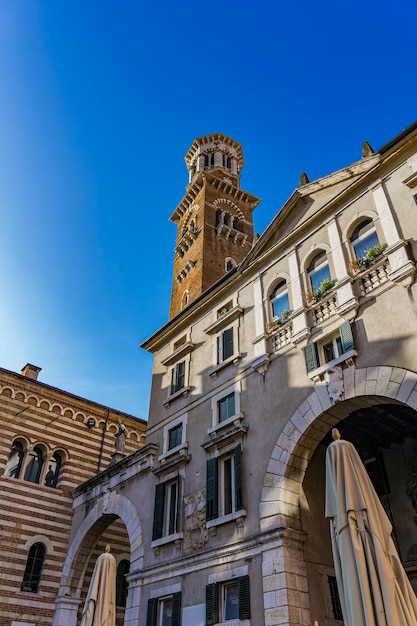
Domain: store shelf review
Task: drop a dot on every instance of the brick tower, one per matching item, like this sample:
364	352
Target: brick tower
214	219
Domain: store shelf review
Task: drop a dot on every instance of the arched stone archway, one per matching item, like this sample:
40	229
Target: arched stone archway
104	512
284	571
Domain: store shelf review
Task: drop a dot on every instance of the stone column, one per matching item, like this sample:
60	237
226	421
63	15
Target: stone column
133	601
261	361
300	329
347	303
402	269
284	579
66	609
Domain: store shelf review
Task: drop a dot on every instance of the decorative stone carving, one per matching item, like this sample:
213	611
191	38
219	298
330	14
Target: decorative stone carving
195	535
335	385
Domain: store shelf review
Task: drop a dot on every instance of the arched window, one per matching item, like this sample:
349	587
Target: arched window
121	582
33	570
363	238
279	299
318	270
230	264
184	299
51	478
34	465
14	464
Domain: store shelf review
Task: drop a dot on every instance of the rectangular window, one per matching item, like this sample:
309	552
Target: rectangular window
165	520
164	611
228	601
178	377
175	437
224	484
226	407
225	345
316	354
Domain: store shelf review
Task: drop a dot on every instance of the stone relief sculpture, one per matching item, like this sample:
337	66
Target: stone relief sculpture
335	384
195	535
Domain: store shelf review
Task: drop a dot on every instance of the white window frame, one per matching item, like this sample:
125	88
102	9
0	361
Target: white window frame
215	423
167	452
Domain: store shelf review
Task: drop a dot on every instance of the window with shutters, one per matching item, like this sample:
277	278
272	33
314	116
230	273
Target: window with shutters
228	601
178	364
178	377
224	497
225	345
165	522
225	336
334	349
164	611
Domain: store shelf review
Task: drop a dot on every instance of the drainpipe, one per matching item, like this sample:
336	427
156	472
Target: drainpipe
102	442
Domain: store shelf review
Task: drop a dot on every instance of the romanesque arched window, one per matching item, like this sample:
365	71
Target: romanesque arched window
34	465
34	566
14	463
54	465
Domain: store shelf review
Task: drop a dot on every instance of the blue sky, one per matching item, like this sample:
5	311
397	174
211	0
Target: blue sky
100	100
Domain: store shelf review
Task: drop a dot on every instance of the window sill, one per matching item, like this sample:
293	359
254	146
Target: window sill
319	371
232	360
173	452
174	461
234	420
181	392
232	431
237	516
225	319
174	538
179	353
234	622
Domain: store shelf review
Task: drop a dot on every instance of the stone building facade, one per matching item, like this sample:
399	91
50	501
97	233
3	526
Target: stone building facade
50	442
315	327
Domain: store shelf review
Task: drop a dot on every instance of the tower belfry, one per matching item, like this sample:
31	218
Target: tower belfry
214	219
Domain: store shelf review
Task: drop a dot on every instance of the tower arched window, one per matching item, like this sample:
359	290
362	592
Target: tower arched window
318	270
209	160
14	463
51	477
34	465
121	582
230	264
364	237
279	299
34	566
184	299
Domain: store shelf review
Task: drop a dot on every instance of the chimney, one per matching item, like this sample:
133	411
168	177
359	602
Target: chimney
30	371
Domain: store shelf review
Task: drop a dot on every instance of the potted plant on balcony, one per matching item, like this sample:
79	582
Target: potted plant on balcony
278	320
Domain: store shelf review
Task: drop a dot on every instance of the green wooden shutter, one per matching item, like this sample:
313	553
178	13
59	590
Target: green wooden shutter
151	614
310	356
238	478
211	604
346	336
176	609
158	514
227	339
244	597
211	492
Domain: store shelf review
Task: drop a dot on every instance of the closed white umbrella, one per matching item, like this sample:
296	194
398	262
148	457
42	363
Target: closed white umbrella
373	587
100	604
